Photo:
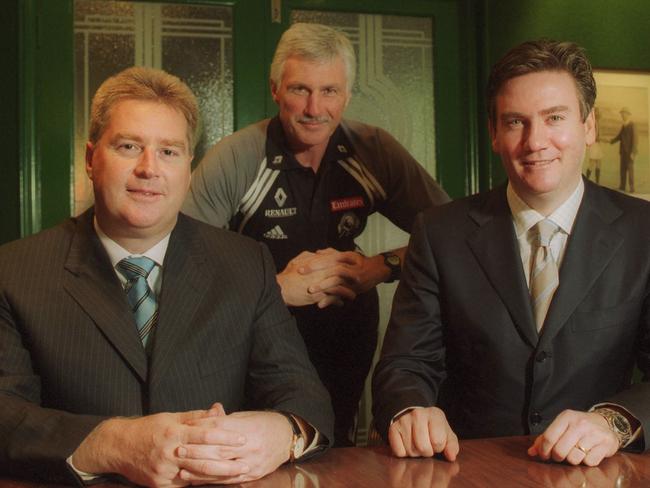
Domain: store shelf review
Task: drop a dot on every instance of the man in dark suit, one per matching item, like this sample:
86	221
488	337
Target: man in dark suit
523	310
115	319
627	149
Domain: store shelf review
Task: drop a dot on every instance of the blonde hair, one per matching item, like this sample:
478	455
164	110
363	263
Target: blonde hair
147	84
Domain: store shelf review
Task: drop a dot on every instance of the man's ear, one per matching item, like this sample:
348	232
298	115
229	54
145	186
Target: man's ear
590	128
493	135
90	149
274	91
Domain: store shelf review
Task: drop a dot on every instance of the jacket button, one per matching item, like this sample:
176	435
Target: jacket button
543	356
535	418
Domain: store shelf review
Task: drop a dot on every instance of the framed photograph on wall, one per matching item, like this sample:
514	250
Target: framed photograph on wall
620	158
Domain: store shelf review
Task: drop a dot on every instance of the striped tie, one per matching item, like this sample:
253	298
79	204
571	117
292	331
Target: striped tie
141	298
544	277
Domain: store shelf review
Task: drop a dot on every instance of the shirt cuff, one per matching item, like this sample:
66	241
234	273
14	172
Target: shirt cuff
83	476
402	412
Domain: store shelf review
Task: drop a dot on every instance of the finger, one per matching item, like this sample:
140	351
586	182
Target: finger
208	452
596	454
452	448
217	409
574	456
396	442
197	470
212	435
186	417
330	300
569	440
341	291
534	448
421	443
551	435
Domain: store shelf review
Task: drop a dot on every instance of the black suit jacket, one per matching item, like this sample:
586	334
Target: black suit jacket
70	355
462	334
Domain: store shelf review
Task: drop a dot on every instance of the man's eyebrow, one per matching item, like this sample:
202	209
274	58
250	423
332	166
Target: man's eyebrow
174	143
555	109
122	135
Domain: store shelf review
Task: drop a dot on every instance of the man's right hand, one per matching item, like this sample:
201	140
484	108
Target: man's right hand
144	449
295	283
423	432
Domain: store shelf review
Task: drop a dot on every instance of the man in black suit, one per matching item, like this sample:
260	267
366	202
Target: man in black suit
90	375
523	310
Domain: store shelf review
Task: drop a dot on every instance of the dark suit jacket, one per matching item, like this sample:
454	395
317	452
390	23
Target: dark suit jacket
70	355
462	334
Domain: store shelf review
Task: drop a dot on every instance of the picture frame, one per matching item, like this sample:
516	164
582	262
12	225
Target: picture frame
622	148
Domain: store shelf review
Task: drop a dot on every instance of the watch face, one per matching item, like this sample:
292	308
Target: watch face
393	260
299	447
619	424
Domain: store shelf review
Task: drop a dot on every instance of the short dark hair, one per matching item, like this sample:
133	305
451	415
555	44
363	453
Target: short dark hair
544	55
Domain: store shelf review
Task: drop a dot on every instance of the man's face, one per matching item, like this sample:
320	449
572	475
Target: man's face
311	97
540	137
140	168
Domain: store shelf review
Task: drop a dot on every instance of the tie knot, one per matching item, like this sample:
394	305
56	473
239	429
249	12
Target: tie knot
546	230
134	267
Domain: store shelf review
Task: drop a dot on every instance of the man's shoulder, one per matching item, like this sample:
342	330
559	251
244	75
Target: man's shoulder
216	237
486	202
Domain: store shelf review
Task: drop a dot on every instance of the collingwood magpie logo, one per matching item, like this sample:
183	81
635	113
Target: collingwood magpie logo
348	225
275	233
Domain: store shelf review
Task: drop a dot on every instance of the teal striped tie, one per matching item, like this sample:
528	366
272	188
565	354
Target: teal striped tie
141	297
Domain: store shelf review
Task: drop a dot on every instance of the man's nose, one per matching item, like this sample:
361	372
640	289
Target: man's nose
313	104
147	164
536	137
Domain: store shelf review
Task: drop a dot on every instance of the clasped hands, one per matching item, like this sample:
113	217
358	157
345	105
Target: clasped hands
188	448
573	437
329	277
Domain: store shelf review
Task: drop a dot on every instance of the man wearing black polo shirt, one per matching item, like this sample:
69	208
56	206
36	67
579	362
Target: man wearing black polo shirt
304	183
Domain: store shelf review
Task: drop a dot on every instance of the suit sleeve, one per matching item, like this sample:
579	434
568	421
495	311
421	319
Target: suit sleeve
280	375
412	363
34	441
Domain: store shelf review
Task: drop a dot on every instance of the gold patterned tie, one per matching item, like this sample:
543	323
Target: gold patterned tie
544	277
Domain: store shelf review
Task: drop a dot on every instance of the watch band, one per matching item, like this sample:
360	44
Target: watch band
297	448
394	263
618	423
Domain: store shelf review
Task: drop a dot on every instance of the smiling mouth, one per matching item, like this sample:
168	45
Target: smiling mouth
538	162
144	193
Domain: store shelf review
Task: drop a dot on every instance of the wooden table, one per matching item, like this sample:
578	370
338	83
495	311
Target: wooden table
482	463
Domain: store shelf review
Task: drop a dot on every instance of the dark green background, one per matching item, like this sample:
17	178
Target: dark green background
37	81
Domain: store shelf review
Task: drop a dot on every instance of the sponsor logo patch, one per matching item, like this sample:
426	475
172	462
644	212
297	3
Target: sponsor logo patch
342	204
280	197
277	159
275	233
276	213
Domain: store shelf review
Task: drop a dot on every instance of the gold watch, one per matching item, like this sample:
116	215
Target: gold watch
618	423
297	448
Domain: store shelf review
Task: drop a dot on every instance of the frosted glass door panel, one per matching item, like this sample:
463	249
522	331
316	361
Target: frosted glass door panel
193	42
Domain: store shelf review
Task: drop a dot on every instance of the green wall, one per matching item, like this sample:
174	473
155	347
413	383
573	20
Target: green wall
615	33
9	176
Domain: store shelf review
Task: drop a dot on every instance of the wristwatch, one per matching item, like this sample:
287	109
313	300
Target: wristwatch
297	448
618	423
394	263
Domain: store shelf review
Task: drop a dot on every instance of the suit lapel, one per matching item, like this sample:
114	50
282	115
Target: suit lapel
495	246
184	285
590	248
92	283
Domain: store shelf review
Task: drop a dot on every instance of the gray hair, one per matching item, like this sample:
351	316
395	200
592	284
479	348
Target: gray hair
147	84
314	42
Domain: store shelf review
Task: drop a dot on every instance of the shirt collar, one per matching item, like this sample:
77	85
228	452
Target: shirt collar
116	252
525	217
279	156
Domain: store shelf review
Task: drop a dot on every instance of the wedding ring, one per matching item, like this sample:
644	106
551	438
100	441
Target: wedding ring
579	447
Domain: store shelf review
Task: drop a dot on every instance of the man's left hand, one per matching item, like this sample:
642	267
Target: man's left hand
360	272
268	439
577	438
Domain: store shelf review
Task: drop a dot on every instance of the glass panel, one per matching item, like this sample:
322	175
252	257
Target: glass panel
112	35
393	90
